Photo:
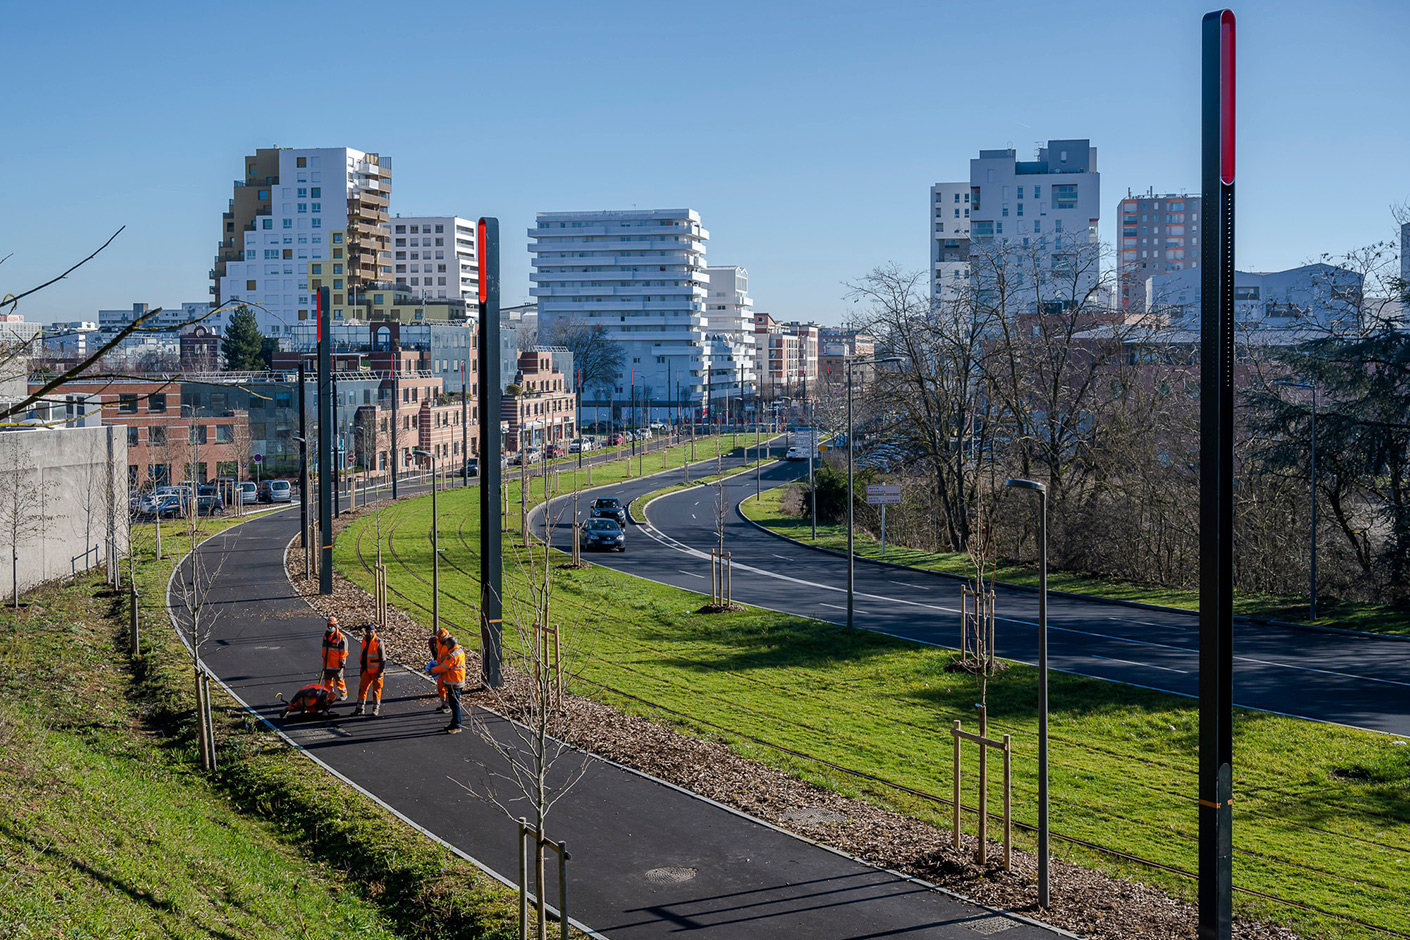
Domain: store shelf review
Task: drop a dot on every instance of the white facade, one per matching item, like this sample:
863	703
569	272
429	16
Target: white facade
309	200
949	240
435	257
729	313
640	274
169	318
1315	297
1044	211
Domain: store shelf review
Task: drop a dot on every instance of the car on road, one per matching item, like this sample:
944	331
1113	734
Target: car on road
616	439
247	493
554	450
796	453
471	468
208	502
605	534
526	456
581	445
609	507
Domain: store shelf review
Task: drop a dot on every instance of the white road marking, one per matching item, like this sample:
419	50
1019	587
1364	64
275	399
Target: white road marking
1130	662
907	584
691	573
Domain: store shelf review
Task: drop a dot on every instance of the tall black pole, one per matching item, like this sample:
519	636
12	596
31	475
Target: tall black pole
491	543
1217	483
396	413
850	573
338	446
465	419
325	446
1312	574
303	461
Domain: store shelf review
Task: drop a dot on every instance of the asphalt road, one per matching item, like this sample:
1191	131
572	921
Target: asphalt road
648	860
1348	679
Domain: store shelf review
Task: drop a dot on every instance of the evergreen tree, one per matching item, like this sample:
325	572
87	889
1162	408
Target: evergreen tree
243	344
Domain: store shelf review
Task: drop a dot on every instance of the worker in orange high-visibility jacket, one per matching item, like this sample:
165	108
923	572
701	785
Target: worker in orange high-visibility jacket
450	670
374	664
435	645
335	657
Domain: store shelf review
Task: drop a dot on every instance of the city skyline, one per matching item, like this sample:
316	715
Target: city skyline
817	109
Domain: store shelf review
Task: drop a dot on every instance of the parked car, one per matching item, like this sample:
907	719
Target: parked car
616	438
275	491
208	501
609	507
581	445
471	468
605	534
164	506
247	493
553	450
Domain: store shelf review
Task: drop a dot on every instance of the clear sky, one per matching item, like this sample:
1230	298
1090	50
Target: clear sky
807	135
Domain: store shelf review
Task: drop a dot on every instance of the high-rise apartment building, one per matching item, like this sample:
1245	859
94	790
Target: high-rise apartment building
729	313
434	257
294	208
949	242
639	274
1159	234
1038	218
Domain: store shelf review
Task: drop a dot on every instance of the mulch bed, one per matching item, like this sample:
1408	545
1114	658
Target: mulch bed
1085	902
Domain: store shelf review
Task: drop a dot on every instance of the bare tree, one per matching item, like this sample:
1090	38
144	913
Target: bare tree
539	765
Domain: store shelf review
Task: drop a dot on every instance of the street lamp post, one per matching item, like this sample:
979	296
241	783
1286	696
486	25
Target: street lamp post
851	573
1042	491
1312	574
435	546
812	452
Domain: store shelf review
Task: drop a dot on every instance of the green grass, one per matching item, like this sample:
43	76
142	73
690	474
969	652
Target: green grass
107	827
769	512
1322	817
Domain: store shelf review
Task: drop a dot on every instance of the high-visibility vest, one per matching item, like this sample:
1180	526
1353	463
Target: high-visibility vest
335	649
451	668
372	659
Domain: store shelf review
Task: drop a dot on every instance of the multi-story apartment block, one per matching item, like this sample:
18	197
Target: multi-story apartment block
788	353
297	207
434	257
1037	218
949	240
639	274
1159	234
545	409
729	314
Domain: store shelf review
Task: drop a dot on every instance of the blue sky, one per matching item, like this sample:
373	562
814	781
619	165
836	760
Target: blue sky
806	135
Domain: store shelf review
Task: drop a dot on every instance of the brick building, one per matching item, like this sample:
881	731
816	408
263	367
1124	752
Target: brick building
544	411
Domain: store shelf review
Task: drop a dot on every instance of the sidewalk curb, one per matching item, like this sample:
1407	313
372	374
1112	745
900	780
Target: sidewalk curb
1114	601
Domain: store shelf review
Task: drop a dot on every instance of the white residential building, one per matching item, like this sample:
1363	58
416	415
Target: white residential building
1042	213
729	313
949	240
435	257
297	207
641	275
168	318
1314	299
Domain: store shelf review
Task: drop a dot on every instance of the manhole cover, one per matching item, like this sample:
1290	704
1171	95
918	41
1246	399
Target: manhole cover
813	816
670	876
990	925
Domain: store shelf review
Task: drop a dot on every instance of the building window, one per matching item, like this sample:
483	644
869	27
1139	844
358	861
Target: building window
337	238
156	435
267	224
156	403
1065	196
318	223
131	436
301	161
303	209
316	192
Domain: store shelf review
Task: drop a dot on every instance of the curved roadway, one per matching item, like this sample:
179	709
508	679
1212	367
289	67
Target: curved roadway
1345	678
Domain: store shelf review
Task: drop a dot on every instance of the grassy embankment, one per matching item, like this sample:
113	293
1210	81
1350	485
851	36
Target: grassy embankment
1332	612
1322	817
108	827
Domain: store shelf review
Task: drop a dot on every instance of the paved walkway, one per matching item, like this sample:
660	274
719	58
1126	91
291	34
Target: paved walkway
648	859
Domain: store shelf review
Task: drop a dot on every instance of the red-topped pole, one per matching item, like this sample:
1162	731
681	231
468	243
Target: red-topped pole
1216	651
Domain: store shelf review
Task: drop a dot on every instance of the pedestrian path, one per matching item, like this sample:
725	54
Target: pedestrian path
648	859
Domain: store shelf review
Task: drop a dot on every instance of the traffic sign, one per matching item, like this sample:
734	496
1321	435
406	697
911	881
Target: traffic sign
881	494
257	458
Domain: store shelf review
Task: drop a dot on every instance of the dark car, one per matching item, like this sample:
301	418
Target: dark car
208	502
605	534
609	507
553	450
471	468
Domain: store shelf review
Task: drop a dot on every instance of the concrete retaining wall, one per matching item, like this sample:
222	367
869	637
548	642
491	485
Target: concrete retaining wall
63	501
